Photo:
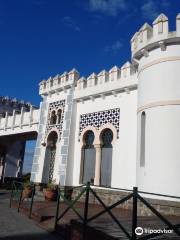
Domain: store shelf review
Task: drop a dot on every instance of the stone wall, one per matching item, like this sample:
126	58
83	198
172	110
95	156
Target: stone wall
109	197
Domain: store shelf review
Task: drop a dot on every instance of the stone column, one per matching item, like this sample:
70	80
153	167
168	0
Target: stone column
13	118
98	164
1	116
31	115
6	121
22	115
81	166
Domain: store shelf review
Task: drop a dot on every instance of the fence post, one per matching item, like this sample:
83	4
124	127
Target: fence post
20	198
11	197
32	200
134	213
57	209
86	210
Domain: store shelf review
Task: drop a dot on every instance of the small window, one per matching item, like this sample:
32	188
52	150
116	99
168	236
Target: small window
51	82
107	137
59	112
106	157
88	158
143	138
160	27
53	118
89	139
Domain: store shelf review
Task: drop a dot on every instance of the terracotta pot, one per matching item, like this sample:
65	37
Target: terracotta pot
27	192
51	194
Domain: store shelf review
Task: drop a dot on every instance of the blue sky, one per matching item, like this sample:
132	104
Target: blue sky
42	38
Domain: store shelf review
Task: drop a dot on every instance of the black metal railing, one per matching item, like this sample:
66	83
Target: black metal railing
85	190
134	194
17	194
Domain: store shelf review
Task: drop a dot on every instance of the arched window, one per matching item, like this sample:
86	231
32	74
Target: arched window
53	117
50	157
107	137
142	146
89	155
106	157
89	139
59	112
51	82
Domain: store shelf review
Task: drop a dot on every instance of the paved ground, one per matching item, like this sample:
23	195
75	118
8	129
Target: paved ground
14	225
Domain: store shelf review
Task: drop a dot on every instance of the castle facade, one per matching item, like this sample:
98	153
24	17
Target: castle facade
118	128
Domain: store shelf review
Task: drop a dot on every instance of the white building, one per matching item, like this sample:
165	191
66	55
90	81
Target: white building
11	147
118	128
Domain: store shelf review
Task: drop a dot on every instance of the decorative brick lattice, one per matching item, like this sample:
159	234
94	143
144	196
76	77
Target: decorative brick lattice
98	119
55	106
51	167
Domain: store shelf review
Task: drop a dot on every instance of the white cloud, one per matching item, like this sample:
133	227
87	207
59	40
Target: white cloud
70	22
151	8
114	48
108	7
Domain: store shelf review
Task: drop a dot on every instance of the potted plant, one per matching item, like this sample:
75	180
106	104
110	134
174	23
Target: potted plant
27	191
51	191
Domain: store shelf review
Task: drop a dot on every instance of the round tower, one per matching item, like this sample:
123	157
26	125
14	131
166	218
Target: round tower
156	51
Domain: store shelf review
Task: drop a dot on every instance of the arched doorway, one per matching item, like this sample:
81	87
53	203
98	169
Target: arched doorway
89	157
50	157
106	157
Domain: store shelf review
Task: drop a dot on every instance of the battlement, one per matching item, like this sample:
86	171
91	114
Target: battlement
95	82
157	35
25	121
14	103
104	81
58	82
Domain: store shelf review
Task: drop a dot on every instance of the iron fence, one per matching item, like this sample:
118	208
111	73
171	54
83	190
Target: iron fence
134	194
17	191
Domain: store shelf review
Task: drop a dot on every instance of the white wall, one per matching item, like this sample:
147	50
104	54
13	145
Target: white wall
159	81
162	152
159	97
124	149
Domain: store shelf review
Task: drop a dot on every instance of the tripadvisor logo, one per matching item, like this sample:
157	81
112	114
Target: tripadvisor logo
139	231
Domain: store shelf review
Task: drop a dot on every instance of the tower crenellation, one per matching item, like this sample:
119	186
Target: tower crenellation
58	82
92	80
153	36
115	74
103	77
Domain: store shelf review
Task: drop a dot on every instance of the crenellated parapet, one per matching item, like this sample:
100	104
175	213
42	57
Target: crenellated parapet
13	103
10	106
114	74
19	122
158	35
105	81
58	82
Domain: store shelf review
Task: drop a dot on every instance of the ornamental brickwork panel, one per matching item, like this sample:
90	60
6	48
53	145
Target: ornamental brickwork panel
55	106
98	119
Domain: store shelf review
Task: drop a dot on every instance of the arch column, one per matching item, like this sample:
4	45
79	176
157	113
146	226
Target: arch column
98	164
